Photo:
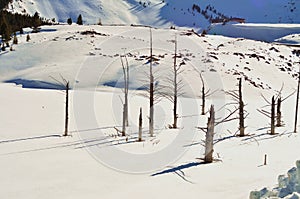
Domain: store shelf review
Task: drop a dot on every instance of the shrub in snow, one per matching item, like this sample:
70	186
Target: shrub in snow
28	38
79	20
69	21
15	40
288	186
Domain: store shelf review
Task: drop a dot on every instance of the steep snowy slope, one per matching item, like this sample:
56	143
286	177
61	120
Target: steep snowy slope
161	13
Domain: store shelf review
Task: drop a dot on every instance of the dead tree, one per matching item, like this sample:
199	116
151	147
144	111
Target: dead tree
275	113
238	98
151	91
123	132
297	103
279	100
175	71
176	84
125	68
140	125
209	138
67	87
154	90
273	116
210	132
270	114
204	94
278	113
241	110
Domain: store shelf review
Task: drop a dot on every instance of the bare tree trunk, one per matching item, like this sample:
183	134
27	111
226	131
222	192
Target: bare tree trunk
175	116
265	160
126	96
151	117
124	122
125	67
203	101
241	110
210	137
203	95
297	104
67	109
140	125
278	113
273	116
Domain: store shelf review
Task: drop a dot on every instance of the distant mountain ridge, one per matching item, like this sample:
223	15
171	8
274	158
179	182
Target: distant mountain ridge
162	13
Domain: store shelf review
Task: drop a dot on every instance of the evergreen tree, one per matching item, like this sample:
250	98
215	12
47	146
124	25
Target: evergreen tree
36	22
69	21
10	23
3	47
79	20
5	29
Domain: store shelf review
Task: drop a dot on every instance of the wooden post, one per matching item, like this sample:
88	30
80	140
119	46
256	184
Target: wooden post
241	110
265	160
209	141
67	109
140	125
273	116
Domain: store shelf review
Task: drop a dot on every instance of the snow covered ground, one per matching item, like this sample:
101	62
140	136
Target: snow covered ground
260	32
37	162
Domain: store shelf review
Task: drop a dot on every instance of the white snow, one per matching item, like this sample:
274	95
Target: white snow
261	32
37	162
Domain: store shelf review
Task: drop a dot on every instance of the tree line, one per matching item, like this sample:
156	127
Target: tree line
12	23
4	3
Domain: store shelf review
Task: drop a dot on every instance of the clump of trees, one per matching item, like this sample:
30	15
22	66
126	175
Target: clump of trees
275	113
79	20
12	23
4	3
69	21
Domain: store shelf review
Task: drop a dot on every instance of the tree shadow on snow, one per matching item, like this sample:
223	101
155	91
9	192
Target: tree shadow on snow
178	170
36	84
29	138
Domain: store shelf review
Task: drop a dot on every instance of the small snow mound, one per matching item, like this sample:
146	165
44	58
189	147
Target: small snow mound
293	196
288	186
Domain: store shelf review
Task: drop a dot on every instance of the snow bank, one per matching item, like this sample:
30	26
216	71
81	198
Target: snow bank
288	187
260	32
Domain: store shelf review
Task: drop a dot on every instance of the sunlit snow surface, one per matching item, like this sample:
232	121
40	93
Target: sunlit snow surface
37	162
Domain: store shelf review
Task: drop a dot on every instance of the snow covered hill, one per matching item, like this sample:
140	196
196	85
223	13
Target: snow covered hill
65	50
161	12
281	33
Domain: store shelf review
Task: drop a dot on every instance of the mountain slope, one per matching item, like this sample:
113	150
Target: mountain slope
161	13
